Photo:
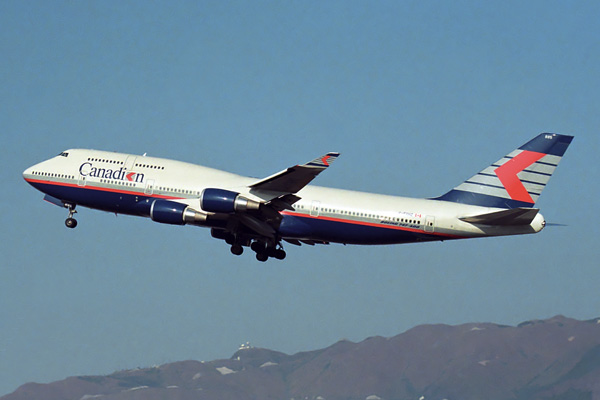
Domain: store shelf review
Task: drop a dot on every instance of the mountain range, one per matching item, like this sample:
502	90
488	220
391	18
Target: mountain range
557	358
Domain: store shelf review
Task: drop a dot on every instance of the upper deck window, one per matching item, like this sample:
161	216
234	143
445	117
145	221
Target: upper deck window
64	154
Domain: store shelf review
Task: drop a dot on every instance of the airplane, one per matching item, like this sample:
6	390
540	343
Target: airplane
264	213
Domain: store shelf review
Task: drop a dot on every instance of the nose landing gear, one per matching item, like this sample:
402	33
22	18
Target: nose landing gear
71	222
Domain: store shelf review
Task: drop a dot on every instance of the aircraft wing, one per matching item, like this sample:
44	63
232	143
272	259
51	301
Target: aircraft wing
293	179
281	189
513	216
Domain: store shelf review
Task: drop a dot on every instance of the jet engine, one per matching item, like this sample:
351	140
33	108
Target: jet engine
226	201
171	212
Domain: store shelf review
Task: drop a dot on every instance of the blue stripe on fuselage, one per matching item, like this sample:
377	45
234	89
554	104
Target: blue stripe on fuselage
122	202
302	226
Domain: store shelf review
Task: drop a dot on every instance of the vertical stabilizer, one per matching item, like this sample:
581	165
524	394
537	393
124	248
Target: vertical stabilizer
517	179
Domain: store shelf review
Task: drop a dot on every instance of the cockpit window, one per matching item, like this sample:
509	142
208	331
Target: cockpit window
64	154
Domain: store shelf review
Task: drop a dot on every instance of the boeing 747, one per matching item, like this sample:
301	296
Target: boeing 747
262	214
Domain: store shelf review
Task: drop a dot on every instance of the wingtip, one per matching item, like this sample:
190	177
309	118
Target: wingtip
325	160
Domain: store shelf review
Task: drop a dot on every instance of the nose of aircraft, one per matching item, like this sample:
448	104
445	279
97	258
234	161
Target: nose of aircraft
27	173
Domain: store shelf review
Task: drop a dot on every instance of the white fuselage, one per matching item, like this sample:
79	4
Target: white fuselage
115	182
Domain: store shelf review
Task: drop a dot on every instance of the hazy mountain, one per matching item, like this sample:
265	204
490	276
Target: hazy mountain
557	358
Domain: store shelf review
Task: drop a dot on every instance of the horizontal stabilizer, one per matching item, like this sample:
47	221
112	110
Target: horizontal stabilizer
513	216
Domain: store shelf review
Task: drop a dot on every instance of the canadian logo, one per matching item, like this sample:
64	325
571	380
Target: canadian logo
121	174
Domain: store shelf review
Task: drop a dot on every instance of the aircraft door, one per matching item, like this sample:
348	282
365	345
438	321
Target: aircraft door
149	187
129	163
429	223
315	208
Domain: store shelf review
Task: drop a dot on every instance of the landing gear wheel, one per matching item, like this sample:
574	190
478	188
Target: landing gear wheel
237	249
276	253
262	257
258	247
279	254
71	222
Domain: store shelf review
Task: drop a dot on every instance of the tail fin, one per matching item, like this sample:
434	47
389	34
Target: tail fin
517	179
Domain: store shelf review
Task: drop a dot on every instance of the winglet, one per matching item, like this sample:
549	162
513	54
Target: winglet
293	179
324	161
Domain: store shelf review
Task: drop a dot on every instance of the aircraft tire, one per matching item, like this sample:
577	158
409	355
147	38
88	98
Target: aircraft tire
258	247
262	257
236	249
71	223
279	254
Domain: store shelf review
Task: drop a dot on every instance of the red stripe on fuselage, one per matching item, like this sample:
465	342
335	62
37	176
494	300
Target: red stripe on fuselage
92	187
372	224
345	221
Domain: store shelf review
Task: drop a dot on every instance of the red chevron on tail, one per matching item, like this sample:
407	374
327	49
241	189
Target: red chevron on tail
507	173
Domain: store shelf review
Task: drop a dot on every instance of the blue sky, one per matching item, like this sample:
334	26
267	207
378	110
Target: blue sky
417	96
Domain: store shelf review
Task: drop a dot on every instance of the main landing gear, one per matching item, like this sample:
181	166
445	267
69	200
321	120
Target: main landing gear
71	222
262	251
237	249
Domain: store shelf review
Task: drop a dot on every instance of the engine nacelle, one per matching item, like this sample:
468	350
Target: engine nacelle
171	212
226	201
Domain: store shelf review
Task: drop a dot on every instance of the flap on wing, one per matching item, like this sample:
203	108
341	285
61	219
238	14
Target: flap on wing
257	225
513	216
293	179
284	202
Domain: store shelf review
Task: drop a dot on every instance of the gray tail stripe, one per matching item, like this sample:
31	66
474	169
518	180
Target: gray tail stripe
485	184
536	172
546	163
532	182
